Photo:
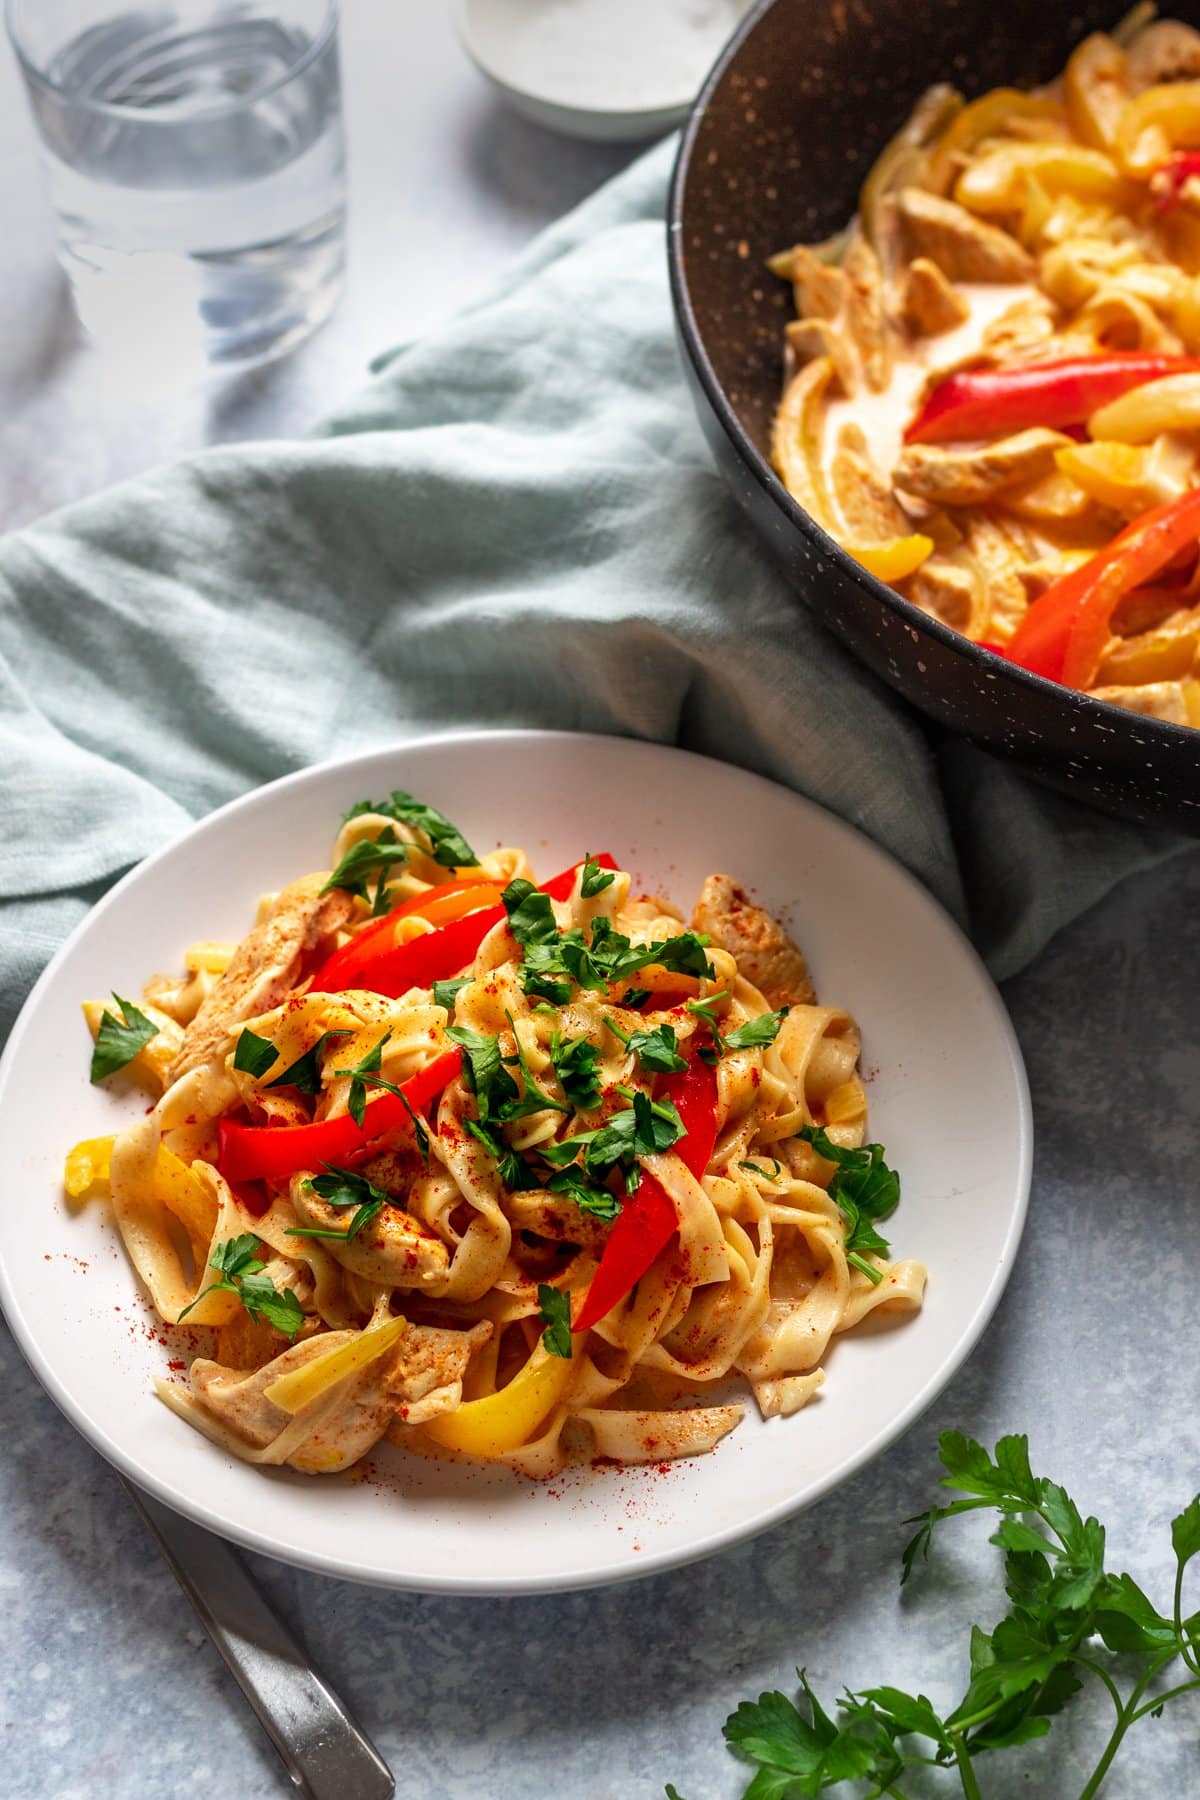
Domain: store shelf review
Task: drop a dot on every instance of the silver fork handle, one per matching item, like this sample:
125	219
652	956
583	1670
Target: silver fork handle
323	1750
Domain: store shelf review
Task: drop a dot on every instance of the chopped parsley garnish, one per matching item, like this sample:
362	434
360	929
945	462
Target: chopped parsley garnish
494	1089
865	1189
646	1128
445	993
342	1188
254	1055
594	880
756	1034
305	1073
366	1074
448	846
554	1309
370	856
514	1171
120	1038
594	1200
575	1062
754	1169
753	1035
657	1050
239	1268
634	997
554	960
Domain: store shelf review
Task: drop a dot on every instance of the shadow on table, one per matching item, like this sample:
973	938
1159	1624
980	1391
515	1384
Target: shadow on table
533	172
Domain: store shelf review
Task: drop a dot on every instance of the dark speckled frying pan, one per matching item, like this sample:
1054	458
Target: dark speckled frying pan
786	127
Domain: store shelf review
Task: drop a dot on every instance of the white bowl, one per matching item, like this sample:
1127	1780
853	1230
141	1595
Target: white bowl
613	71
948	1099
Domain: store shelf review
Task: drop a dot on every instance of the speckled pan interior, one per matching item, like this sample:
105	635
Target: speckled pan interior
785	129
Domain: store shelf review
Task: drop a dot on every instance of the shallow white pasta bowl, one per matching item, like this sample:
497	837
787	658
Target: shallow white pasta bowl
947	1093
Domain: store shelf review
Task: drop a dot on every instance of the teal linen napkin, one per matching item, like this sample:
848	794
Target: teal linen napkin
517	523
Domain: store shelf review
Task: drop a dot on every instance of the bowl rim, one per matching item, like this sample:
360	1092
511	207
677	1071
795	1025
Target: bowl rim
1100	713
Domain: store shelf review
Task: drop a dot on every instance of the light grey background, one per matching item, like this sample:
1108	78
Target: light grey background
108	1685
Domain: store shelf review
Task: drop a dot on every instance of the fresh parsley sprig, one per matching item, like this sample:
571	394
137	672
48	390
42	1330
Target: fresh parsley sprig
448	846
254	1055
240	1271
370	856
305	1073
554	961
1070	1622
645	1128
594	880
342	1188
589	1198
445	993
554	1310
120	1038
657	1050
575	1063
365	1074
864	1188
755	1034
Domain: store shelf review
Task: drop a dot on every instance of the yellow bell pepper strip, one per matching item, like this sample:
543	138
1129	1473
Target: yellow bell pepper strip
505	1421
300	1386
982	403
983	118
894	560
275	1152
1065	632
1163	117
997	181
86	1166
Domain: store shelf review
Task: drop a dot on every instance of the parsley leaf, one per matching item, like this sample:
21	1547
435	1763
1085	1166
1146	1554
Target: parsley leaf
656	1050
445	993
120	1038
754	1169
864	1187
756	1033
575	1062
341	1188
554	1309
594	880
239	1270
487	1078
706	1009
254	1055
448	846
515	1172
370	856
594	1200
305	1073
366	1074
530	914
646	1128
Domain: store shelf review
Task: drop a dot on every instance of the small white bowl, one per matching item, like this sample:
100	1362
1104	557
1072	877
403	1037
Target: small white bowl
613	71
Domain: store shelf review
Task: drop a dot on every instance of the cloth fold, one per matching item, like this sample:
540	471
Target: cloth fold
515	523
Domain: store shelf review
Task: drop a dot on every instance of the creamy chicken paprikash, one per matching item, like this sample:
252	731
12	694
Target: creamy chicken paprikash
992	392
499	1168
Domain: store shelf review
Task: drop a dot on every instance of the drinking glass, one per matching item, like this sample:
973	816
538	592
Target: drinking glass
196	165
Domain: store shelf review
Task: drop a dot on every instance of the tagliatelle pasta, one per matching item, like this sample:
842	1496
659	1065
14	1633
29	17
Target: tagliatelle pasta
992	391
493	1170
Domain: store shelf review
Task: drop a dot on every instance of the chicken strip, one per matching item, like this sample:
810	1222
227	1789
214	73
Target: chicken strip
765	953
264	968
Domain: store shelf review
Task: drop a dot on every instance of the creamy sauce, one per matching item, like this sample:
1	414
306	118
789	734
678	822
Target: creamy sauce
884	416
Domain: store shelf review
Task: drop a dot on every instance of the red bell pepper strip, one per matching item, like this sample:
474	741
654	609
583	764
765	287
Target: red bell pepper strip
1064	633
1172	176
274	1152
981	403
372	960
648	1218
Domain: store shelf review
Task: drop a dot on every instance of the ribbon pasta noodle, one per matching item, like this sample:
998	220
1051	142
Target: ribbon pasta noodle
490	1170
992	384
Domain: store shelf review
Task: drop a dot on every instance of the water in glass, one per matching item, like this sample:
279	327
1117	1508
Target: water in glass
197	168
